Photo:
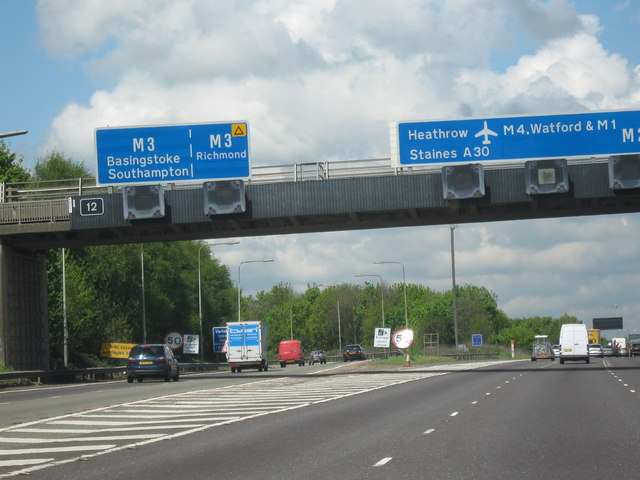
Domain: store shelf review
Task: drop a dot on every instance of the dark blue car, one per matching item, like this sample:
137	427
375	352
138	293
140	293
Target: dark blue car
149	361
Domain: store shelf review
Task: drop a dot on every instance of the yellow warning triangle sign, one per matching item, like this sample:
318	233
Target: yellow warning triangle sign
239	129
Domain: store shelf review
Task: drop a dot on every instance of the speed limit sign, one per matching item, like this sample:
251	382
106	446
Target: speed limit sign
174	340
403	338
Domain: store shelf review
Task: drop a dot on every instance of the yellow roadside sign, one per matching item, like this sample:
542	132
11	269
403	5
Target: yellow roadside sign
239	129
116	350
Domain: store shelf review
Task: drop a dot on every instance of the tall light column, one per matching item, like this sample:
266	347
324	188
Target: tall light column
144	307
404	286
381	290
65	329
453	292
209	245
239	289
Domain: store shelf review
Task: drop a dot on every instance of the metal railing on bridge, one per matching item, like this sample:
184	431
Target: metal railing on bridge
48	200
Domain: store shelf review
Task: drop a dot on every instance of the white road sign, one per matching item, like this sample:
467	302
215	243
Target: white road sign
382	337
191	343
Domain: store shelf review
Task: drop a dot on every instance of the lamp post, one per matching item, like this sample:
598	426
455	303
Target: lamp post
453	292
200	291
144	307
239	265
404	286
65	330
381	290
13	134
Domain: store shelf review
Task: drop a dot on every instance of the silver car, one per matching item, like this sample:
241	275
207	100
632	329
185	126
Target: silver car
595	350
608	351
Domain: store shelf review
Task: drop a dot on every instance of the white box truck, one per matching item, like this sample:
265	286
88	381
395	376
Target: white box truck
247	346
574	340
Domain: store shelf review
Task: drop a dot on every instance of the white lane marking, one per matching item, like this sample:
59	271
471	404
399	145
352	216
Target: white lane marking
488	393
24	462
31	451
428	431
632	391
102	430
141	422
474	402
78	439
453	414
384	461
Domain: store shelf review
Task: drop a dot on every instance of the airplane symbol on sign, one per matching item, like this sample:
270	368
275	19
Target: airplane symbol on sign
485	132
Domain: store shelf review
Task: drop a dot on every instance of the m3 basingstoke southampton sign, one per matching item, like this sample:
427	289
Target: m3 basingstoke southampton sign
173	153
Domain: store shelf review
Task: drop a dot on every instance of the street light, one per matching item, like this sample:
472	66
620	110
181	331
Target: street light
453	293
239	265
13	134
144	307
381	290
200	291
404	286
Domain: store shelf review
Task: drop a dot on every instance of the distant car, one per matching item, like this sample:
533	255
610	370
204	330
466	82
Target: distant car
155	360
556	350
595	350
353	352
317	356
608	351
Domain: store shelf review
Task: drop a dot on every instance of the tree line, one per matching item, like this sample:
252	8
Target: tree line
106	300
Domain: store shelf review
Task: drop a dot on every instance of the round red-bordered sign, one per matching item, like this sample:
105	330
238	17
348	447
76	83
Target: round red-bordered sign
403	338
174	340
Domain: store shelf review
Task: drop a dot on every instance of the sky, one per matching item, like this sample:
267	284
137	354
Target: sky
321	80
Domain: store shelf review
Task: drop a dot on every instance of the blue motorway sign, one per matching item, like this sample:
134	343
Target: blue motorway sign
172	153
516	138
219	338
476	340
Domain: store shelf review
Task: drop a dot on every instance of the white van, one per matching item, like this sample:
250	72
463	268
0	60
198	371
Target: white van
573	342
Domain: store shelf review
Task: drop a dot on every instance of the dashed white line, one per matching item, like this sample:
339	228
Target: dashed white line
428	431
453	414
382	462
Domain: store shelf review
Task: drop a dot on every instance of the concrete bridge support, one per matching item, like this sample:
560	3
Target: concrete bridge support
24	323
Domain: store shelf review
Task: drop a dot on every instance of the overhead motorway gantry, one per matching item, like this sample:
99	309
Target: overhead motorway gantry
383	198
310	198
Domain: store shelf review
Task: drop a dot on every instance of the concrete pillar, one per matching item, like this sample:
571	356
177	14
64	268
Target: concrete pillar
24	323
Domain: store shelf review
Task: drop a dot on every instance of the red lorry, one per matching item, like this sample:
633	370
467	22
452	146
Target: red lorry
290	351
